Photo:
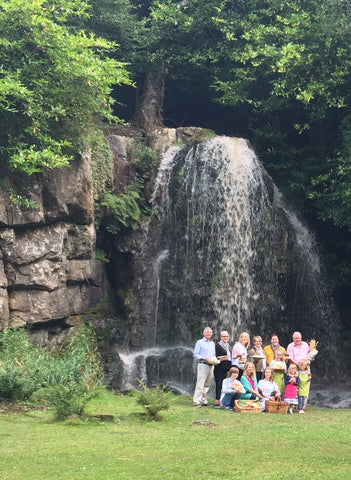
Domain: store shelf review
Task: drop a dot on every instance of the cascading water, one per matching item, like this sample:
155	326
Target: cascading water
219	249
313	306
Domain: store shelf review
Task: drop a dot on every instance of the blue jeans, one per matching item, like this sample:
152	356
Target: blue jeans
301	402
228	399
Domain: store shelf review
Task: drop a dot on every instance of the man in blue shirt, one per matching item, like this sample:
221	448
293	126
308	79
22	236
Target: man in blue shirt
204	350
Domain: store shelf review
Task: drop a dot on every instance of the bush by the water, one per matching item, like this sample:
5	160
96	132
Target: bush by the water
66	379
154	399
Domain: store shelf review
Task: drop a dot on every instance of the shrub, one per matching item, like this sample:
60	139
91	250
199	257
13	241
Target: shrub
144	158
154	399
67	400
15	351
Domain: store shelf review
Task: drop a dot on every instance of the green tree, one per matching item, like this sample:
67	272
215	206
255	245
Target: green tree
332	190
289	65
52	82
116	21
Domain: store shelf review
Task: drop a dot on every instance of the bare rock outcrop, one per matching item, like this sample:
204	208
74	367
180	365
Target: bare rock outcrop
48	269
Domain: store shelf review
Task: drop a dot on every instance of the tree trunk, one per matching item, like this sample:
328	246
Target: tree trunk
148	114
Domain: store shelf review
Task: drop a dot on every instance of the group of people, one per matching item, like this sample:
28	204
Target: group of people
262	374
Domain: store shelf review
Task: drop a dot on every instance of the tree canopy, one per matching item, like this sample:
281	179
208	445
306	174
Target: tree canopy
52	81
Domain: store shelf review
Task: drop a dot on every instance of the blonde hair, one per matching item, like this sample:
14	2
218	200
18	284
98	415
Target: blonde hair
303	362
292	365
253	375
244	334
279	351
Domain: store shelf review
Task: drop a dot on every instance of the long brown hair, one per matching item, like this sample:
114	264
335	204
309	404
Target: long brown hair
264	374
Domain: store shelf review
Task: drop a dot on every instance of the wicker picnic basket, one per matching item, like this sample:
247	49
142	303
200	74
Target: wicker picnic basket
276	407
247	406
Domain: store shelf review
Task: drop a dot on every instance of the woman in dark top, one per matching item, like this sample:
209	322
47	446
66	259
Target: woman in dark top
221	370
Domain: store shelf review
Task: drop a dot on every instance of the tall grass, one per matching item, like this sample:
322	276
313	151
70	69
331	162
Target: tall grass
29	373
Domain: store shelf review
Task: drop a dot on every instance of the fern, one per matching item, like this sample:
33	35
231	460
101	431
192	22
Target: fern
69	399
154	399
122	210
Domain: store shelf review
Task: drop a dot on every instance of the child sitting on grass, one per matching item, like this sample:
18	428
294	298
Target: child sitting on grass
231	389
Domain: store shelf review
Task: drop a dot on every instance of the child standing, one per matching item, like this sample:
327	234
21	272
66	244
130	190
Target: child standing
231	389
291	384
304	385
279	370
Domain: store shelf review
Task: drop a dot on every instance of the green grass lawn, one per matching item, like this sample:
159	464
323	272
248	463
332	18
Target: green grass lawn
259	446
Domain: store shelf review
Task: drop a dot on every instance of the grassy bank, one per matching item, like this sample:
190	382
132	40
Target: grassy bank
227	445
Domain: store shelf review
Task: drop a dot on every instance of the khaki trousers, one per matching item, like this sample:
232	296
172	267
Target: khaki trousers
203	383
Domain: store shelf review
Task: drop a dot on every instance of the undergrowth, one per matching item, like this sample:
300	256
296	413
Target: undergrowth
65	379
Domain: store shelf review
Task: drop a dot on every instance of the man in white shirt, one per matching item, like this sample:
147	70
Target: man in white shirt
204	350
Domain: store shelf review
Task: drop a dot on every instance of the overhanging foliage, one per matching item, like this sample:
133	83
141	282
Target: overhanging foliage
52	82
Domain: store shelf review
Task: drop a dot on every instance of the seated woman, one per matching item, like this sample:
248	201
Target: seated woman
249	383
268	388
231	389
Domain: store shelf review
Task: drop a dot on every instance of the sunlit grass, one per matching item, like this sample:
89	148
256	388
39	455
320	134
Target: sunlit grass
316	445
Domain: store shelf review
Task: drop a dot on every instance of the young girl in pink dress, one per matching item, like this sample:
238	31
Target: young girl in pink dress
291	384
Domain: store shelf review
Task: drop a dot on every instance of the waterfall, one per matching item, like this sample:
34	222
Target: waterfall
157	269
172	366
313	305
220	249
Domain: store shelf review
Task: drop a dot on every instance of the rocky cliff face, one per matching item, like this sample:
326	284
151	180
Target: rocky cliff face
48	269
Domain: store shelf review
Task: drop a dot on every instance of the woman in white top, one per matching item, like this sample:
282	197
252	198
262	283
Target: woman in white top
239	354
268	388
